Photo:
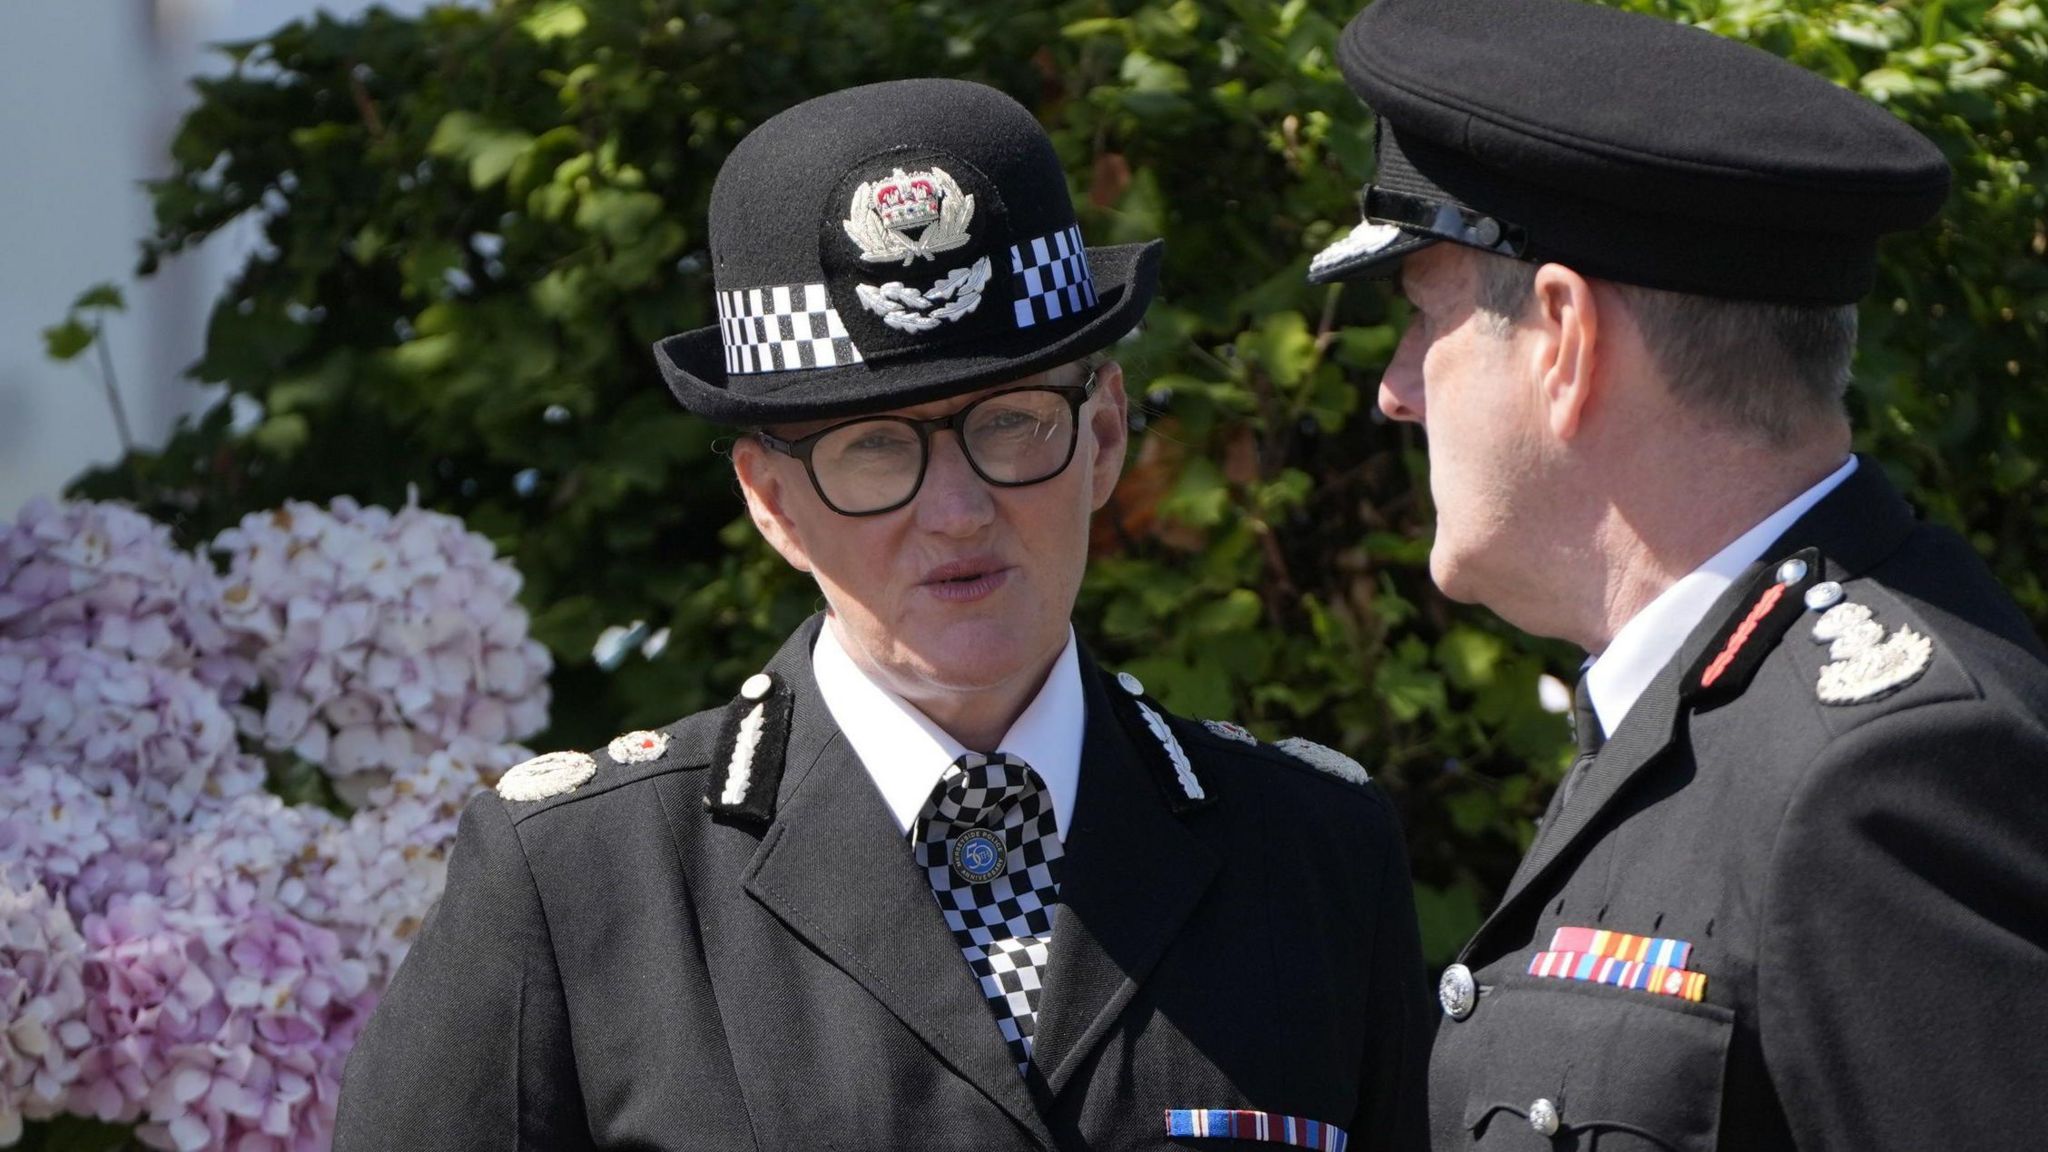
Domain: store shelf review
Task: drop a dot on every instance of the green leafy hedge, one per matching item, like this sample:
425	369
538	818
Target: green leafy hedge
477	221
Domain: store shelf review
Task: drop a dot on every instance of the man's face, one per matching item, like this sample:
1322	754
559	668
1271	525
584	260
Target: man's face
969	586
1474	388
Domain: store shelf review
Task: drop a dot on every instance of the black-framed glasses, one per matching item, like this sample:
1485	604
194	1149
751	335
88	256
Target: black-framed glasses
875	464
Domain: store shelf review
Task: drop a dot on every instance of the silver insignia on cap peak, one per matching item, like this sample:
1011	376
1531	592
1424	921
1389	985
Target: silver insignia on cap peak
1365	240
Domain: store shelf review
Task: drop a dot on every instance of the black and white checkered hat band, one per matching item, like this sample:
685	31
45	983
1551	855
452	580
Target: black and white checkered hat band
793	326
1052	277
782	328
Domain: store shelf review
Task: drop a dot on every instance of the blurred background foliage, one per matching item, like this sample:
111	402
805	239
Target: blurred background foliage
477	221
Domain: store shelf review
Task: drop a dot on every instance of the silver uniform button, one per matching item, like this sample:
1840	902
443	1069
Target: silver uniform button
1823	595
1131	684
1791	571
1543	1118
757	686
1457	992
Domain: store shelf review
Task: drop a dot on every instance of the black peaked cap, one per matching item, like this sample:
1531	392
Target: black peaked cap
1626	146
894	244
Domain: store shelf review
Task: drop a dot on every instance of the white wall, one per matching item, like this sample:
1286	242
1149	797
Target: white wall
90	94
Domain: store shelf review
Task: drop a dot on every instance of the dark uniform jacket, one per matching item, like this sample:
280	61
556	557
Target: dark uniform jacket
622	967
1863	883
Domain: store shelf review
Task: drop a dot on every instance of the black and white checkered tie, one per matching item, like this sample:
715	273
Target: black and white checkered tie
1004	925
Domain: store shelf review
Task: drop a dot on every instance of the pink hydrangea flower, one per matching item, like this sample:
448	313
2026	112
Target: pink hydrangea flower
82	842
214	1026
180	949
389	866
379	636
42	1006
106	718
111	578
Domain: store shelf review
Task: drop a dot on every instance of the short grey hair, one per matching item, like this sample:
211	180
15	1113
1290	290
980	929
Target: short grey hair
1776	370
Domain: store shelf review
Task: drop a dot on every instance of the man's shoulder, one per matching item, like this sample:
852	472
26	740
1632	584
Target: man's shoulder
1926	629
1928	626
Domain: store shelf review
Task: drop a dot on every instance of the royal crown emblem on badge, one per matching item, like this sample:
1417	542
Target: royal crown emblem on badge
1864	662
902	217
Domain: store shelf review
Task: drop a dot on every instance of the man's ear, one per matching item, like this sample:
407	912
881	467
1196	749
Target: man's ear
1566	313
1109	427
763	484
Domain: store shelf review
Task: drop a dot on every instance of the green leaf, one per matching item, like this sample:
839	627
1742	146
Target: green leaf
100	296
1469	656
65	341
1283	346
489	149
1409	688
1200	498
619	215
1239	609
283	434
492	159
1095	26
556	21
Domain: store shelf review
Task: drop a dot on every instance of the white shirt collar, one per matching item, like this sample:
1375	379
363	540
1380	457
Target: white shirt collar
1617	677
905	752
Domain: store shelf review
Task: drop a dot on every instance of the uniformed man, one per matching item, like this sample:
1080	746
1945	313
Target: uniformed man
933	879
1798	897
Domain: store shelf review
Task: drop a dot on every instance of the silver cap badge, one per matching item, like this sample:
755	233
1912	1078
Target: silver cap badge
882	219
885	212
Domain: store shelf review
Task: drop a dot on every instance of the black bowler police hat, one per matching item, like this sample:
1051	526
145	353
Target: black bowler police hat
1625	146
894	244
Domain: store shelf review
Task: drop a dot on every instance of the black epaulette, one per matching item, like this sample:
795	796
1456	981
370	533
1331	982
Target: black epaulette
1145	722
1767	610
746	765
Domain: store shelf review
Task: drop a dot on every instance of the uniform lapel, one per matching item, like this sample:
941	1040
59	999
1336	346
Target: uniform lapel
1863	520
1134	873
833	869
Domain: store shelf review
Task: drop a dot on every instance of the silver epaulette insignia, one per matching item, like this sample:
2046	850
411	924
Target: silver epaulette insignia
546	775
1864	662
1325	759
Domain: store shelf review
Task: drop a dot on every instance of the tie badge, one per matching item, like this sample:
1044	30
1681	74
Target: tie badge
978	856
